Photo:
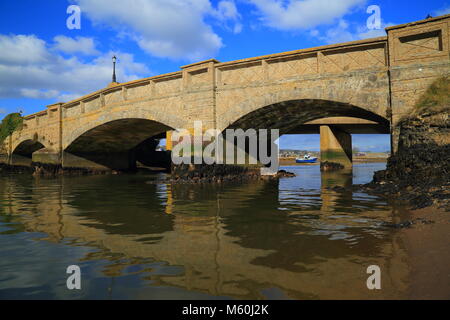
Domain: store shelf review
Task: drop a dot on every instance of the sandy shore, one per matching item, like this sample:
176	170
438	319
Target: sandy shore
427	246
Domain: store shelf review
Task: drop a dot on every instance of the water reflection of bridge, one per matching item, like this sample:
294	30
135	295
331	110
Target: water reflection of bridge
229	240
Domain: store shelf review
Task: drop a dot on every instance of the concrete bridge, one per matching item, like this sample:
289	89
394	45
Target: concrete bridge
363	86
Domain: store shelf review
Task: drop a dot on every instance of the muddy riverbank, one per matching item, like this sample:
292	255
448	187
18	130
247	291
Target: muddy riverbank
427	245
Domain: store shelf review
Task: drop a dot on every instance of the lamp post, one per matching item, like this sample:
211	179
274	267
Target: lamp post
114	59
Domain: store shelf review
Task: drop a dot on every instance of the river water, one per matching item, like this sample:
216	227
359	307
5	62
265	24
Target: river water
135	238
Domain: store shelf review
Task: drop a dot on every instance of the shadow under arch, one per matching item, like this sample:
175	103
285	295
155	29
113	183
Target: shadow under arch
22	154
299	116
27	147
112	144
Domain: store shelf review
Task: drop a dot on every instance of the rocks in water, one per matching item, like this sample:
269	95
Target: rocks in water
195	173
285	174
6	168
401	225
419	171
41	169
330	166
407	224
219	173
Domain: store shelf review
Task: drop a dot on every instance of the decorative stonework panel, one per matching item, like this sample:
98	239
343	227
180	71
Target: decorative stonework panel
417	45
292	66
168	87
138	91
422	43
242	74
353	59
72	111
113	97
199	78
92	105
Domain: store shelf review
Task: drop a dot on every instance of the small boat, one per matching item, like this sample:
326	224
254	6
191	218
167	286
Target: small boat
306	159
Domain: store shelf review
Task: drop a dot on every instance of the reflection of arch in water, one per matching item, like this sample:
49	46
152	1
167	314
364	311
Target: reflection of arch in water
224	249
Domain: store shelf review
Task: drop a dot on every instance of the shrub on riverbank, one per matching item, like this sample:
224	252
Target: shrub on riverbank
9	124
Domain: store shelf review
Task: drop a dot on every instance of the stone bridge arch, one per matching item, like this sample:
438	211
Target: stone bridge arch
114	143
291	113
123	120
22	150
312	104
27	146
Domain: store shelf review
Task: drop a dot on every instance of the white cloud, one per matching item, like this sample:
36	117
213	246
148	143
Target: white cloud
302	14
22	49
442	11
81	45
39	93
344	31
227	11
165	28
2	110
50	75
339	33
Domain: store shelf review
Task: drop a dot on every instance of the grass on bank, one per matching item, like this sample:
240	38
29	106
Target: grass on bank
435	99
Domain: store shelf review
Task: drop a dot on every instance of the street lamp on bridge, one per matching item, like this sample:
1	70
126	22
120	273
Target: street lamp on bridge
114	59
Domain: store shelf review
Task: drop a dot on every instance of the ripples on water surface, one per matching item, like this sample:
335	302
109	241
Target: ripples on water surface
287	239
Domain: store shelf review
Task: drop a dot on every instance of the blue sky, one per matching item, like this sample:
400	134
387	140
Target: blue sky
42	61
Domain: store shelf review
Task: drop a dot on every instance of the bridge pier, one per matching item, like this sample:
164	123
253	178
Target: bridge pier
19	160
46	156
123	161
335	146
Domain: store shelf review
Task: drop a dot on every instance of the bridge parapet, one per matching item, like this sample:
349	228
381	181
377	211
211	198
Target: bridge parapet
355	55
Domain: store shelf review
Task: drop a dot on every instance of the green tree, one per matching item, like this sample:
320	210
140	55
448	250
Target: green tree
11	122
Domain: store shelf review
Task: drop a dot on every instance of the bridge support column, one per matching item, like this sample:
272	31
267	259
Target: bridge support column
169	140
19	160
100	161
46	156
335	146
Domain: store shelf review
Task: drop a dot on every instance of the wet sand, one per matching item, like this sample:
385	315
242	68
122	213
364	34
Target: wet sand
428	251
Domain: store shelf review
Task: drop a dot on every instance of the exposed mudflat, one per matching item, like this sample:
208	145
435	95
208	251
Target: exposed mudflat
427	245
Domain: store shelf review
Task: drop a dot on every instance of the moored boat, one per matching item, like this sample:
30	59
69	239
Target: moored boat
306	159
